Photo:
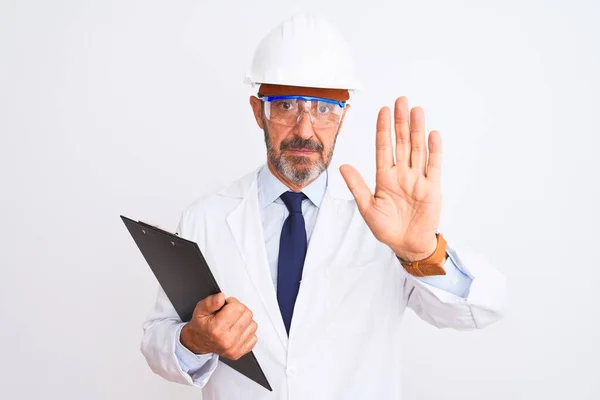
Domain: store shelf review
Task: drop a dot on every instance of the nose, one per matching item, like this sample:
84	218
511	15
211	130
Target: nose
304	128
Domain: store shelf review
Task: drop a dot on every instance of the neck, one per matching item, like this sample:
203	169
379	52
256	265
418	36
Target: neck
292	186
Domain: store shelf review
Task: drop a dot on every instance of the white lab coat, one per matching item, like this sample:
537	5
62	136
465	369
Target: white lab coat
344	340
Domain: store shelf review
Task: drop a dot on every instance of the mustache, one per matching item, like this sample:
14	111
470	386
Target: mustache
298	143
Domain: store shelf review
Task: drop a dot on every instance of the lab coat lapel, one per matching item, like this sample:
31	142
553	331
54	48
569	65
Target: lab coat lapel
329	228
321	254
246	227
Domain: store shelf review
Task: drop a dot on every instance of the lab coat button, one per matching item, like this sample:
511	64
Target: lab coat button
290	371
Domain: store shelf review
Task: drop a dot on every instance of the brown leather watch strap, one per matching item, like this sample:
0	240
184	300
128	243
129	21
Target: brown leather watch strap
432	265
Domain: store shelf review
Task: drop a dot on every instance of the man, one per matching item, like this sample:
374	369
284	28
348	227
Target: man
321	276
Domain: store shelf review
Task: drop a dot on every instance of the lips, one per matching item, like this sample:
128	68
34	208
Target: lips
301	151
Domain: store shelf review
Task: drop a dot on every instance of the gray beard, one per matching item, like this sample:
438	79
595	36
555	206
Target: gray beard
297	169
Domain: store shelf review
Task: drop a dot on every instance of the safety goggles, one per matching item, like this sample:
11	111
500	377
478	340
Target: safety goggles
289	110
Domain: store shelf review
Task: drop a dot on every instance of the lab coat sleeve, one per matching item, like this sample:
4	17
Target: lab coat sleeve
198	366
164	352
485	303
455	281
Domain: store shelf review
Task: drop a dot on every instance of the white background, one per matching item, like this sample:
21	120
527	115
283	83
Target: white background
137	108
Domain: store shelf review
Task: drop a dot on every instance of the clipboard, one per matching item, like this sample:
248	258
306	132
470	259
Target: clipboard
184	275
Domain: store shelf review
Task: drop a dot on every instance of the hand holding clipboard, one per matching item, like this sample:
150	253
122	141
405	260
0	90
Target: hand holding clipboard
220	326
184	275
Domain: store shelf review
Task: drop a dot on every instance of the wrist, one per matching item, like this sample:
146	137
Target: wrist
186	338
430	265
412	256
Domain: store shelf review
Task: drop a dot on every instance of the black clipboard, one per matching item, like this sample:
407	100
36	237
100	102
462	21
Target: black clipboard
184	275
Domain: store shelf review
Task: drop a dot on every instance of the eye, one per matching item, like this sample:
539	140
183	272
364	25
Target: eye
285	105
324	108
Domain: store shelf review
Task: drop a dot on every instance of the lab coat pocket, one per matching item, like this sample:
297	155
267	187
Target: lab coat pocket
352	297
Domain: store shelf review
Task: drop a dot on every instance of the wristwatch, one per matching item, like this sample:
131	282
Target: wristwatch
430	266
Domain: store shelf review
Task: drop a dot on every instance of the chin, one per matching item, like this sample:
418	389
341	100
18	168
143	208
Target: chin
299	169
300	161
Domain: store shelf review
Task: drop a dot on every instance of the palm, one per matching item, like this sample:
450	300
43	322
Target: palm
404	211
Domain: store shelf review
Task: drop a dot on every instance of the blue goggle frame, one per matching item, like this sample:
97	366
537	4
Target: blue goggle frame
342	104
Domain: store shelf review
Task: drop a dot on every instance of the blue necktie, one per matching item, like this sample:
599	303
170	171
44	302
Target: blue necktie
292	251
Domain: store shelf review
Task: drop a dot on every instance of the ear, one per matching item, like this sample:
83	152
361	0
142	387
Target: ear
256	105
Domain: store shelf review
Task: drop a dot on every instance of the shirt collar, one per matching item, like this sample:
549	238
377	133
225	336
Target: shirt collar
270	188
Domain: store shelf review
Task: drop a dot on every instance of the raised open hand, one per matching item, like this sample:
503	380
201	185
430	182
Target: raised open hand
404	212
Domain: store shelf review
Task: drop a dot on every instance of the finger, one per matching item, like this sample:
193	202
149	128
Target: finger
241	324
358	187
248	332
246	336
402	130
228	316
383	142
245	347
434	164
250	343
209	305
418	152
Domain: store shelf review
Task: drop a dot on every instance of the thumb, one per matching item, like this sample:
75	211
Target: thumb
210	304
360	191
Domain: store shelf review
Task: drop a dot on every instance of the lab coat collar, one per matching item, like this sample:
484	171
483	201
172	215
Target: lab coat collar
336	186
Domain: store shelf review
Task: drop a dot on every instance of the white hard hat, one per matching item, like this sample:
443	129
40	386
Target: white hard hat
306	51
